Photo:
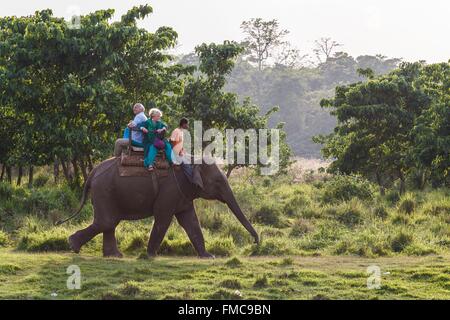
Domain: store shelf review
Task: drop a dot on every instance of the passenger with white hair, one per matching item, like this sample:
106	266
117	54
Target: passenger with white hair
154	130
137	137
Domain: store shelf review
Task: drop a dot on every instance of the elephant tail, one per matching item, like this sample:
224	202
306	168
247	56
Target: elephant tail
87	187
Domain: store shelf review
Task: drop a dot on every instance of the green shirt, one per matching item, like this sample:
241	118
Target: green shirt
151	127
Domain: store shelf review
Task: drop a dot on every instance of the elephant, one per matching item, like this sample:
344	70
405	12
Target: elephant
116	198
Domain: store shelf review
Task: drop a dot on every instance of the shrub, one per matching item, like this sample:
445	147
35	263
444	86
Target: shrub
6	191
50	240
233	262
9	269
37	202
392	196
369	243
177	247
380	211
268	215
261	282
270	247
295	204
212	221
231	284
130	288
437	207
135	241
4	239
350	213
40	181
300	227
221	247
407	204
400	241
236	232
344	188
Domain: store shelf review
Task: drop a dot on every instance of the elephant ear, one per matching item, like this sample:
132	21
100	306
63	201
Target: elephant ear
197	177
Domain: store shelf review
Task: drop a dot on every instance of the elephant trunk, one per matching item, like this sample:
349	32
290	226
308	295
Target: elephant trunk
231	202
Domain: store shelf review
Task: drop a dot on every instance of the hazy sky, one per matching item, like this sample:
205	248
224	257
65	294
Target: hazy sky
413	30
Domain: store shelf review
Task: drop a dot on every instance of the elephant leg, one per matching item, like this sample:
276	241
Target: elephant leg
159	230
110	244
189	222
79	238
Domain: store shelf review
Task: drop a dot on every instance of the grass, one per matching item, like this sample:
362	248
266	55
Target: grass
317	237
43	276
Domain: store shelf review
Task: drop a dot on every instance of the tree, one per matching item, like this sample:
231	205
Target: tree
205	99
262	38
324	49
375	119
68	91
290	57
430	151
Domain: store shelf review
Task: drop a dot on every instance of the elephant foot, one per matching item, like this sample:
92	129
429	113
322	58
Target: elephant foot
206	255
74	246
114	254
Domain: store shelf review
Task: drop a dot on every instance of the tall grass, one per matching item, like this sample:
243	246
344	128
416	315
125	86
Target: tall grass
333	215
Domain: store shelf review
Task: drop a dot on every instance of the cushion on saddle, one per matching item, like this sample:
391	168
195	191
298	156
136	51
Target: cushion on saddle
137	149
136	159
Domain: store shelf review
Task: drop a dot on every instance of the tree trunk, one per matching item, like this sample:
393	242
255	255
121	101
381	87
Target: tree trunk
90	165
9	174
55	170
229	169
3	172
83	170
19	175
76	172
66	171
380	184
30	176
402	183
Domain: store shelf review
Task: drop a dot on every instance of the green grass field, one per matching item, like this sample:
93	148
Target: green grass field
42	275
318	236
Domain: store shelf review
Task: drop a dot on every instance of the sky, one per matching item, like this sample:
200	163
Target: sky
412	30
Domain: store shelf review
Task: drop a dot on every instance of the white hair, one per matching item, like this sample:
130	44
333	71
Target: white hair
154	111
140	106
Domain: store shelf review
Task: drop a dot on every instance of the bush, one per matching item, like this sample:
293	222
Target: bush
296	204
6	191
130	288
40	181
4	239
51	240
231	284
392	196
380	211
300	227
177	247
233	262
344	188
135	241
401	241
350	213
261	282
407	204
270	247
236	232
221	247
268	215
